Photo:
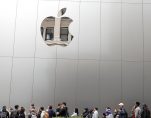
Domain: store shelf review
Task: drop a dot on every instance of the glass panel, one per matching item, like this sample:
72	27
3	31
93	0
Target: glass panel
49	33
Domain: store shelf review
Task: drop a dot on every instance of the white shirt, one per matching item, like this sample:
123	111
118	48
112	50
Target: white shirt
42	114
74	114
137	112
109	116
95	114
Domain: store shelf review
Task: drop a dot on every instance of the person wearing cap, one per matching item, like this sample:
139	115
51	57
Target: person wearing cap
122	113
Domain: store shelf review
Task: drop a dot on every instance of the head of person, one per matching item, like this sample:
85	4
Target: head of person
4	108
76	111
64	103
49	107
137	104
59	105
104	115
22	109
121	105
16	107
32	105
86	109
108	111
145	107
95	109
91	111
10	109
42	108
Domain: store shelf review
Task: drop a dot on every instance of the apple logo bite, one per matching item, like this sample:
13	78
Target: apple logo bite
55	30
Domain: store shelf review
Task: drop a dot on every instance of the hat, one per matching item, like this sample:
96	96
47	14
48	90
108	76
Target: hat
121	104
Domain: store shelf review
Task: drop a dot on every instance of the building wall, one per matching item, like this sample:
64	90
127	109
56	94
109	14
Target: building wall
108	61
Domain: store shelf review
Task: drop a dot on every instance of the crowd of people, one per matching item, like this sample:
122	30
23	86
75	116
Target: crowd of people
62	111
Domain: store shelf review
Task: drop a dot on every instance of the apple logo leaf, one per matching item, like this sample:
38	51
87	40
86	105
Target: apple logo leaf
62	12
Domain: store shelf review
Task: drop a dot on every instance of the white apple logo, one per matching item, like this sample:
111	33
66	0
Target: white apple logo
55	30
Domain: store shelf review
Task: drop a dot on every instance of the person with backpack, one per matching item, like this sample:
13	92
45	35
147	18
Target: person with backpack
122	113
4	113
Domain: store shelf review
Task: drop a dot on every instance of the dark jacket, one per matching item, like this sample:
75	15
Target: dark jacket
51	113
145	114
122	113
4	114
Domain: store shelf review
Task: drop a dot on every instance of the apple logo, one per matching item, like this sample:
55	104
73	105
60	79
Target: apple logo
55	30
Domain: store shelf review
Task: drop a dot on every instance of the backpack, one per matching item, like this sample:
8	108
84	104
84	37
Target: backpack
3	114
46	115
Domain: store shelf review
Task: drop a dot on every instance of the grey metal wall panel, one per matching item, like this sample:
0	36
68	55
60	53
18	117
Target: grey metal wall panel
44	82
22	80
111	31
147	29
132	83
87	86
132	35
66	83
5	78
7	23
89	41
110	84
25	33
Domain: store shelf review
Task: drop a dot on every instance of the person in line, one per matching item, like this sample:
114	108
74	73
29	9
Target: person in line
4	113
85	113
42	112
137	111
10	112
51	112
32	111
145	112
15	113
95	113
122	113
75	113
108	113
22	112
63	110
58	110
39	113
